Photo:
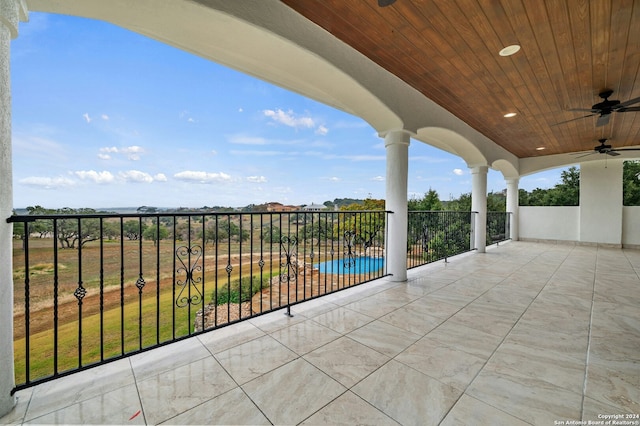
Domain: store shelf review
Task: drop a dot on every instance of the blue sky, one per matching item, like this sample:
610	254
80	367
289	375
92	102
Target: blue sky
104	117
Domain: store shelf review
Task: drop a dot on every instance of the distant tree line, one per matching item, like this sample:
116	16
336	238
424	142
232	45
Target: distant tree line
567	191
73	233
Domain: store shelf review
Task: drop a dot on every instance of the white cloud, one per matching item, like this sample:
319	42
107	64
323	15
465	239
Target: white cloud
186	115
321	130
378	178
135	176
259	153
46	182
358	157
214	152
334	179
240	110
247	140
160	177
202	177
256	179
38	147
289	118
97	177
428	159
105	117
458	172
86	117
131	152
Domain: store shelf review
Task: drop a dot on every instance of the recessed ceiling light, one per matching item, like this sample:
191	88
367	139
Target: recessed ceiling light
509	50
510	114
540	148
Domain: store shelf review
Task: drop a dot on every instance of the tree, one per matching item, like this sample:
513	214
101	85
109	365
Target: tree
461	204
133	229
565	193
315	229
42	227
147	209
496	202
18	231
271	234
79	231
155	233
111	230
430	202
631	183
368	227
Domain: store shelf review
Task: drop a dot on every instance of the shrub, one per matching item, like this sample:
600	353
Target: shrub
240	290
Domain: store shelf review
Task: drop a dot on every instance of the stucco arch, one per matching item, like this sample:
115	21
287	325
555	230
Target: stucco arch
508	170
452	142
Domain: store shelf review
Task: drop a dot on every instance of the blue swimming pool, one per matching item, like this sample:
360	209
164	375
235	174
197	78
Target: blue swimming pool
362	265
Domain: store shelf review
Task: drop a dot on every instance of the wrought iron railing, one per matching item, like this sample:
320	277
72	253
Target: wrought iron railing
436	235
498	227
94	288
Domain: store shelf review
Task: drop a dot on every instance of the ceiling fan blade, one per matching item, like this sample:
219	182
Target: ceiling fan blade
628	149
574	119
594	111
586	155
629	102
612	153
628	109
603	120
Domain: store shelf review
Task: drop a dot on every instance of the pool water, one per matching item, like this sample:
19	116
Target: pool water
363	265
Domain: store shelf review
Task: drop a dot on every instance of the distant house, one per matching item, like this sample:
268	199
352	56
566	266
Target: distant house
279	207
314	208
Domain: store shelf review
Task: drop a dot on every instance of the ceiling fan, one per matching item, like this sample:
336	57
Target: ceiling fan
603	148
605	108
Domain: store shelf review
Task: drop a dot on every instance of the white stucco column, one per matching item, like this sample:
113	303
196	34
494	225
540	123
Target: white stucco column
397	145
479	204
513	206
10	13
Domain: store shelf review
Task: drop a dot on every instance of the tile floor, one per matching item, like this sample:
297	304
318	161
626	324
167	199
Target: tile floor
528	333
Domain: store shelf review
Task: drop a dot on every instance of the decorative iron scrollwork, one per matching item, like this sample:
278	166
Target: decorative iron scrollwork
349	260
80	293
140	283
289	262
190	293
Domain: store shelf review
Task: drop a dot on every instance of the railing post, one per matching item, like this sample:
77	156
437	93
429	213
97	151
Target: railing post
472	234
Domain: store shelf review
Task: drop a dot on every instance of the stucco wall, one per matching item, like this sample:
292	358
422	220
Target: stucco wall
631	226
601	202
549	223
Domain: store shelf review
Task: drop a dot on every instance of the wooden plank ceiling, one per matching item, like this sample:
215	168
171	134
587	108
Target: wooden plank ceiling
448	49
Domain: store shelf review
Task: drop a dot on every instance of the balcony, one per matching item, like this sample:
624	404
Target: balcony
526	333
